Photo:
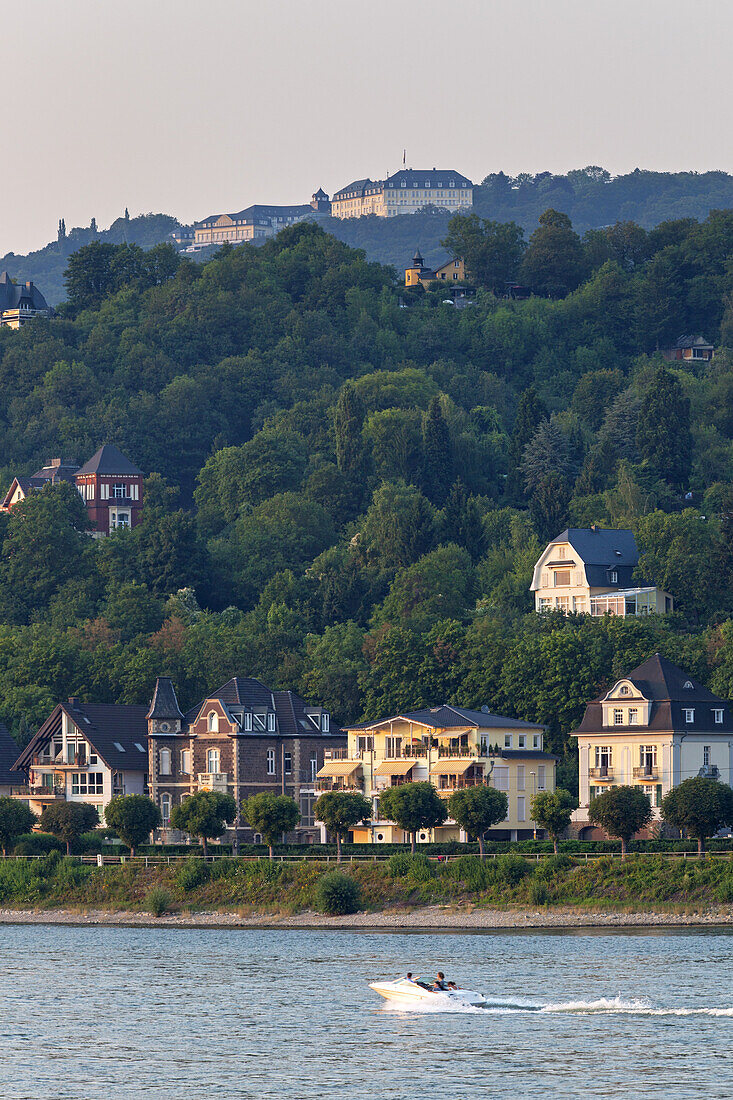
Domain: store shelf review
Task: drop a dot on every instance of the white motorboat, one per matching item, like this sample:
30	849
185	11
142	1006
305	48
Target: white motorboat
409	992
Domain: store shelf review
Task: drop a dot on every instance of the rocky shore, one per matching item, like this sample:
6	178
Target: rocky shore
433	917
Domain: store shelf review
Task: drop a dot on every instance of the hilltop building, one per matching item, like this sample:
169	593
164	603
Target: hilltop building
590	571
256	223
451	271
405	192
451	747
110	485
241	740
19	302
653	728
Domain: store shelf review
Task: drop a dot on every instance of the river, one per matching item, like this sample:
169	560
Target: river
165	1014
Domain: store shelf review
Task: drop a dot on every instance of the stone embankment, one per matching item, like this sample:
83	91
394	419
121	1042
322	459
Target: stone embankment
433	917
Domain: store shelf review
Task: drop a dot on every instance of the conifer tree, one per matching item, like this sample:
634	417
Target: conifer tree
438	460
349	422
663	433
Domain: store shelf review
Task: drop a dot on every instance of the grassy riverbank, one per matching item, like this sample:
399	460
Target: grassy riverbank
402	884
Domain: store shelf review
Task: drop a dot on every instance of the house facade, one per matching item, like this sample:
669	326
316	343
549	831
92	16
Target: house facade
451	271
242	739
405	192
690	348
110	485
20	302
84	752
452	748
590	571
255	223
653	728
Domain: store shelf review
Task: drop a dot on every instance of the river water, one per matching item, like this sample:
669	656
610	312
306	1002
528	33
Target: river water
117	1013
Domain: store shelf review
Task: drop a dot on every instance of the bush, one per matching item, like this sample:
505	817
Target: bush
399	864
37	844
417	867
224	868
511	869
538	892
194	872
725	889
337	894
553	865
158	901
70	873
471	871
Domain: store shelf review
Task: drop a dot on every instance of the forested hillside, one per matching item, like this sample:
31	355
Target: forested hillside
589	196
347	497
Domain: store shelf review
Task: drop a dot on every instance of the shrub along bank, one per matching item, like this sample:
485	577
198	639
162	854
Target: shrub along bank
265	887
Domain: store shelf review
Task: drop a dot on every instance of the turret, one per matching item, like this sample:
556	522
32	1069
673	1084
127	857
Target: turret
164	716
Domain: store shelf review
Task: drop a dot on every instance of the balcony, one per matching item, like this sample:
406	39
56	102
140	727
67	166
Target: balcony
40	792
213	781
350	784
604	774
649	772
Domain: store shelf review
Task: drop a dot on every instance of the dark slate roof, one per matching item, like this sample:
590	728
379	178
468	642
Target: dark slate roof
358	187
445	717
536	754
56	471
664	683
8	756
109	460
113	729
13	295
603	550
320	194
691	342
164	703
247	693
420	178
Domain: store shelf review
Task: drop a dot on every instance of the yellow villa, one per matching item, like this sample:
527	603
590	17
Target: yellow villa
654	728
590	571
405	192
451	747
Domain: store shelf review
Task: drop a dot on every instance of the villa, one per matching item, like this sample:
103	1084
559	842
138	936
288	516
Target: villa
452	748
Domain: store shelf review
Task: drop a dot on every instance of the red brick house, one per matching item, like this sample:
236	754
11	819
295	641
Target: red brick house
110	486
241	740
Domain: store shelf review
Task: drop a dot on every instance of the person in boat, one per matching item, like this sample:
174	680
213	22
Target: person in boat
451	985
440	983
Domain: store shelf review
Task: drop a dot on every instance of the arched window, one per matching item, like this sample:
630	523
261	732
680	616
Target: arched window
213	721
165	808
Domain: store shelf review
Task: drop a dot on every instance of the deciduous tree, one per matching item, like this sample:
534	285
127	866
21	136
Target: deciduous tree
340	811
15	819
68	820
205	814
412	806
700	806
551	810
272	815
621	811
133	817
476	809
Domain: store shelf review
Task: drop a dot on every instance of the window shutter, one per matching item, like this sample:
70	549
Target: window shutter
659	794
545	580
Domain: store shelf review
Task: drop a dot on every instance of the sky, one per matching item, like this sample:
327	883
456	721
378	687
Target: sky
193	107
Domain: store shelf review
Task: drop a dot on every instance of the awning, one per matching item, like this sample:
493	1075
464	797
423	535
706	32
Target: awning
395	767
451	767
338	767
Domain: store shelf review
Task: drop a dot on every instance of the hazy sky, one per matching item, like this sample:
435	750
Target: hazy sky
197	106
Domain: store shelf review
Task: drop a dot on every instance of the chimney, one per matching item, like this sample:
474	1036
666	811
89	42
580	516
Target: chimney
74	702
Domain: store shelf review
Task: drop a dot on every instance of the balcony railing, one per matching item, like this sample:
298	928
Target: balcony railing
39	790
213	781
646	771
444	790
603	772
342	783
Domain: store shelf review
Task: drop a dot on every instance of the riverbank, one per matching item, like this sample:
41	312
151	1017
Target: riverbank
438	918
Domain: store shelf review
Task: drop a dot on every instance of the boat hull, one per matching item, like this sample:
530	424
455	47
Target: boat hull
408	993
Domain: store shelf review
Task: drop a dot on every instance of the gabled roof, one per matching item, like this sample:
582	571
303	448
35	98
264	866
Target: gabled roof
8	756
109	460
114	730
602	550
164	703
663	684
245	693
447	717
13	295
692	342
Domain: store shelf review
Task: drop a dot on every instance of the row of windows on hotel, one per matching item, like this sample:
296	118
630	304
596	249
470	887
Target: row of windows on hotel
623	716
213	762
403	184
393	745
647	756
117	491
264	722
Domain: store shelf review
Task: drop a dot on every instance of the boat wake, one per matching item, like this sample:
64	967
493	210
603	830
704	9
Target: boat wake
608	1006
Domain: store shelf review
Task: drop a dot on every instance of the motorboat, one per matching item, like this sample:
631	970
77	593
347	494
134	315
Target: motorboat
414	992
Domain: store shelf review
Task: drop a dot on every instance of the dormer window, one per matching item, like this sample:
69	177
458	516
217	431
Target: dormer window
613	577
248	721
259	722
623	690
618	717
688	686
403	183
718	716
212	722
325	723
270	723
689	714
